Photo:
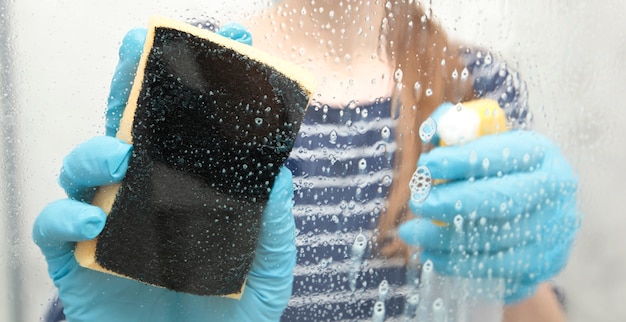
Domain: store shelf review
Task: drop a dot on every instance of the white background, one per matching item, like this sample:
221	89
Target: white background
571	53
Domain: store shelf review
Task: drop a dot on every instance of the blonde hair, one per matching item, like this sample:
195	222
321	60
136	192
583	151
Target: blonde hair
428	74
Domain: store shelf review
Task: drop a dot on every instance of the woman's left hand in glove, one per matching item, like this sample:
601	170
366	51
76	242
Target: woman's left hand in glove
505	207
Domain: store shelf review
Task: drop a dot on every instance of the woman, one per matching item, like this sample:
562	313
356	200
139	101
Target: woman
392	62
383	69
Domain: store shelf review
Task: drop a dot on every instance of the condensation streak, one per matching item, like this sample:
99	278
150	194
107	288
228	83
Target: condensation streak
9	191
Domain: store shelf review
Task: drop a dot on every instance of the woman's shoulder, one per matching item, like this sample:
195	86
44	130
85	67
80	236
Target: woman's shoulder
496	78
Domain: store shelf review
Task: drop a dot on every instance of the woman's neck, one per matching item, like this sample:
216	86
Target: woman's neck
338	41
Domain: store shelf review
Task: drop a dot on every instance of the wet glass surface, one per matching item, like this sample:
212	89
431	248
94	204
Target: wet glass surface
55	83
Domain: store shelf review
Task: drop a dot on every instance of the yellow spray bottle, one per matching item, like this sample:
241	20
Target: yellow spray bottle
468	121
444	298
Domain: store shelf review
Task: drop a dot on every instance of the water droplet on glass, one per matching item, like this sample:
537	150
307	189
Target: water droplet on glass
420	184
506	152
383	290
385	132
387	181
488	59
439	310
428	266
486	163
356	254
379	312
417	90
455	74
458	222
362	164
427	130
358	246
438	304
397	76
503	207
333	137
473	157
464	74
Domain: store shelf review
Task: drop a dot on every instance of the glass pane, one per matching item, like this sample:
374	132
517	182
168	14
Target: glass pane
57	59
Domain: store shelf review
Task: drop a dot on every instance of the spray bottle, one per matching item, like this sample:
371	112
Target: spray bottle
450	298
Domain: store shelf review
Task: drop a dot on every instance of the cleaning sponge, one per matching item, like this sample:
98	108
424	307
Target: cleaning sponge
211	122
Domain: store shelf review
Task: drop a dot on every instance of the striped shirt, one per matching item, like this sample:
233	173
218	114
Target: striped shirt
342	166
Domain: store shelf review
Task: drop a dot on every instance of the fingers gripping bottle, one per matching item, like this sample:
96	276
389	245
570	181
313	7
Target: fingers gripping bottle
452	298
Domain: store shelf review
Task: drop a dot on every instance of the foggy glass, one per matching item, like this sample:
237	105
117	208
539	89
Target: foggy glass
56	64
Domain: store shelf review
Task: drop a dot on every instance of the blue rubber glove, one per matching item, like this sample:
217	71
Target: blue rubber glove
509	201
89	295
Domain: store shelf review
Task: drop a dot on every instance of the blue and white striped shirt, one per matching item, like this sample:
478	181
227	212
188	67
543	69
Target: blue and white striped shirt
342	166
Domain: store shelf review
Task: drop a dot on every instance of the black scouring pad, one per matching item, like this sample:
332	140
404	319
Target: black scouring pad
211	121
